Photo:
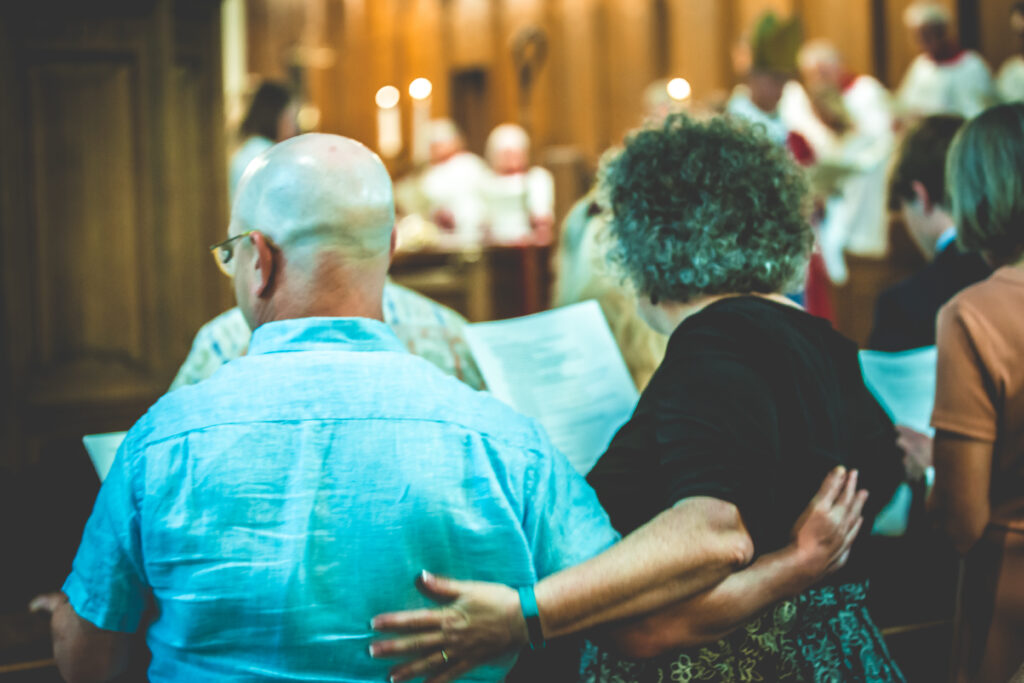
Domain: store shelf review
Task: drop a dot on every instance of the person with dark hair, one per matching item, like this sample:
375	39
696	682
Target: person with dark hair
1010	81
978	497
905	313
270	119
754	402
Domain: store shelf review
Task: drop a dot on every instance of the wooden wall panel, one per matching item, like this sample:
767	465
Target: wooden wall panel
275	28
699	44
92	281
848	24
112	186
631	63
997	41
581	87
468	28
113	173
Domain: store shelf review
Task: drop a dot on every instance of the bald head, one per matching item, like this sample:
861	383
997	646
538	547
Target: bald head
322	212
318	192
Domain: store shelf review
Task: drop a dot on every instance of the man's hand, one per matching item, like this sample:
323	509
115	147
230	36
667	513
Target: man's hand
480	621
83	651
825	532
47	602
917	452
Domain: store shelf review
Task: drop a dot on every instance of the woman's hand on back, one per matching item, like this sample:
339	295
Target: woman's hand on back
825	532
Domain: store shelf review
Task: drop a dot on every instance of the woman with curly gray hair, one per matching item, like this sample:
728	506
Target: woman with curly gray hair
754	401
753	404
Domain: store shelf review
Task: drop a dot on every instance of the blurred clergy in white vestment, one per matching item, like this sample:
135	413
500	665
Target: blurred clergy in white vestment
452	185
520	198
847	119
944	78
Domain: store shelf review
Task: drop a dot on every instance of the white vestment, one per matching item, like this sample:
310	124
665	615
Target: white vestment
961	85
1010	82
513	199
855	219
456	186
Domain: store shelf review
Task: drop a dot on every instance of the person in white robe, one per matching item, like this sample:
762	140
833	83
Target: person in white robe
451	188
944	78
767	61
520	198
1010	82
848	121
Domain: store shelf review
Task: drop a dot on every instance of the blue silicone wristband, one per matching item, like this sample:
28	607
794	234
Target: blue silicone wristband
528	604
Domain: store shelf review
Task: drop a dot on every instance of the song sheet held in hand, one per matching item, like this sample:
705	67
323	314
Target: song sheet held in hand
903	382
563	368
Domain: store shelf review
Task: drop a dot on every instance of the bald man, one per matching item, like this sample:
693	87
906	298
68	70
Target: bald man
262	517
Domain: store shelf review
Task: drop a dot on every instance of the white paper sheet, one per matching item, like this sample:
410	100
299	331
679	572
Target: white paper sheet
904	383
102	448
563	368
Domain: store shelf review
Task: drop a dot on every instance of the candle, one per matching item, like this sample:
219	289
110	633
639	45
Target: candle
419	91
389	122
679	89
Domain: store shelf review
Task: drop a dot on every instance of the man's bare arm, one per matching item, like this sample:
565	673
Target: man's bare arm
84	653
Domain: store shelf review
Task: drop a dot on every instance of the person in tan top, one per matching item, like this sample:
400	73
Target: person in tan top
978	498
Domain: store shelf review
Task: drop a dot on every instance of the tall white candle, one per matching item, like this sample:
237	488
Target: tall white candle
419	91
389	122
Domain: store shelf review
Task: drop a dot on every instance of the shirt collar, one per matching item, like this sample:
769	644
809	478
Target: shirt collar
945	239
324	334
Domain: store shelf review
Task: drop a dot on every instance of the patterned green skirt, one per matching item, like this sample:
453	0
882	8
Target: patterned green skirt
824	635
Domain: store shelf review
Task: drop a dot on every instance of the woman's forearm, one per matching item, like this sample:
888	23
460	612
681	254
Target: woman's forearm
678	554
716	612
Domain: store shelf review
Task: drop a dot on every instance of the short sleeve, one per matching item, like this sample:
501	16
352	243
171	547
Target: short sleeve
716	436
107	586
963	390
564	522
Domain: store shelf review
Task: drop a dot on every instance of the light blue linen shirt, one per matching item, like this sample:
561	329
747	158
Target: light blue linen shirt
270	511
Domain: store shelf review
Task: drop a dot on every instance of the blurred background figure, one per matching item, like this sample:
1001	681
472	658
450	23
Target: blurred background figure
426	328
452	185
520	198
1010	82
905	313
767	63
847	119
944	78
978	498
270	119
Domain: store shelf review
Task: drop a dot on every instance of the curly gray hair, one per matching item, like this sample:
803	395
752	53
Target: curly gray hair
706	207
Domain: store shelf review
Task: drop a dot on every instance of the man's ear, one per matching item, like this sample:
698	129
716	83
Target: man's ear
924	199
394	243
266	263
